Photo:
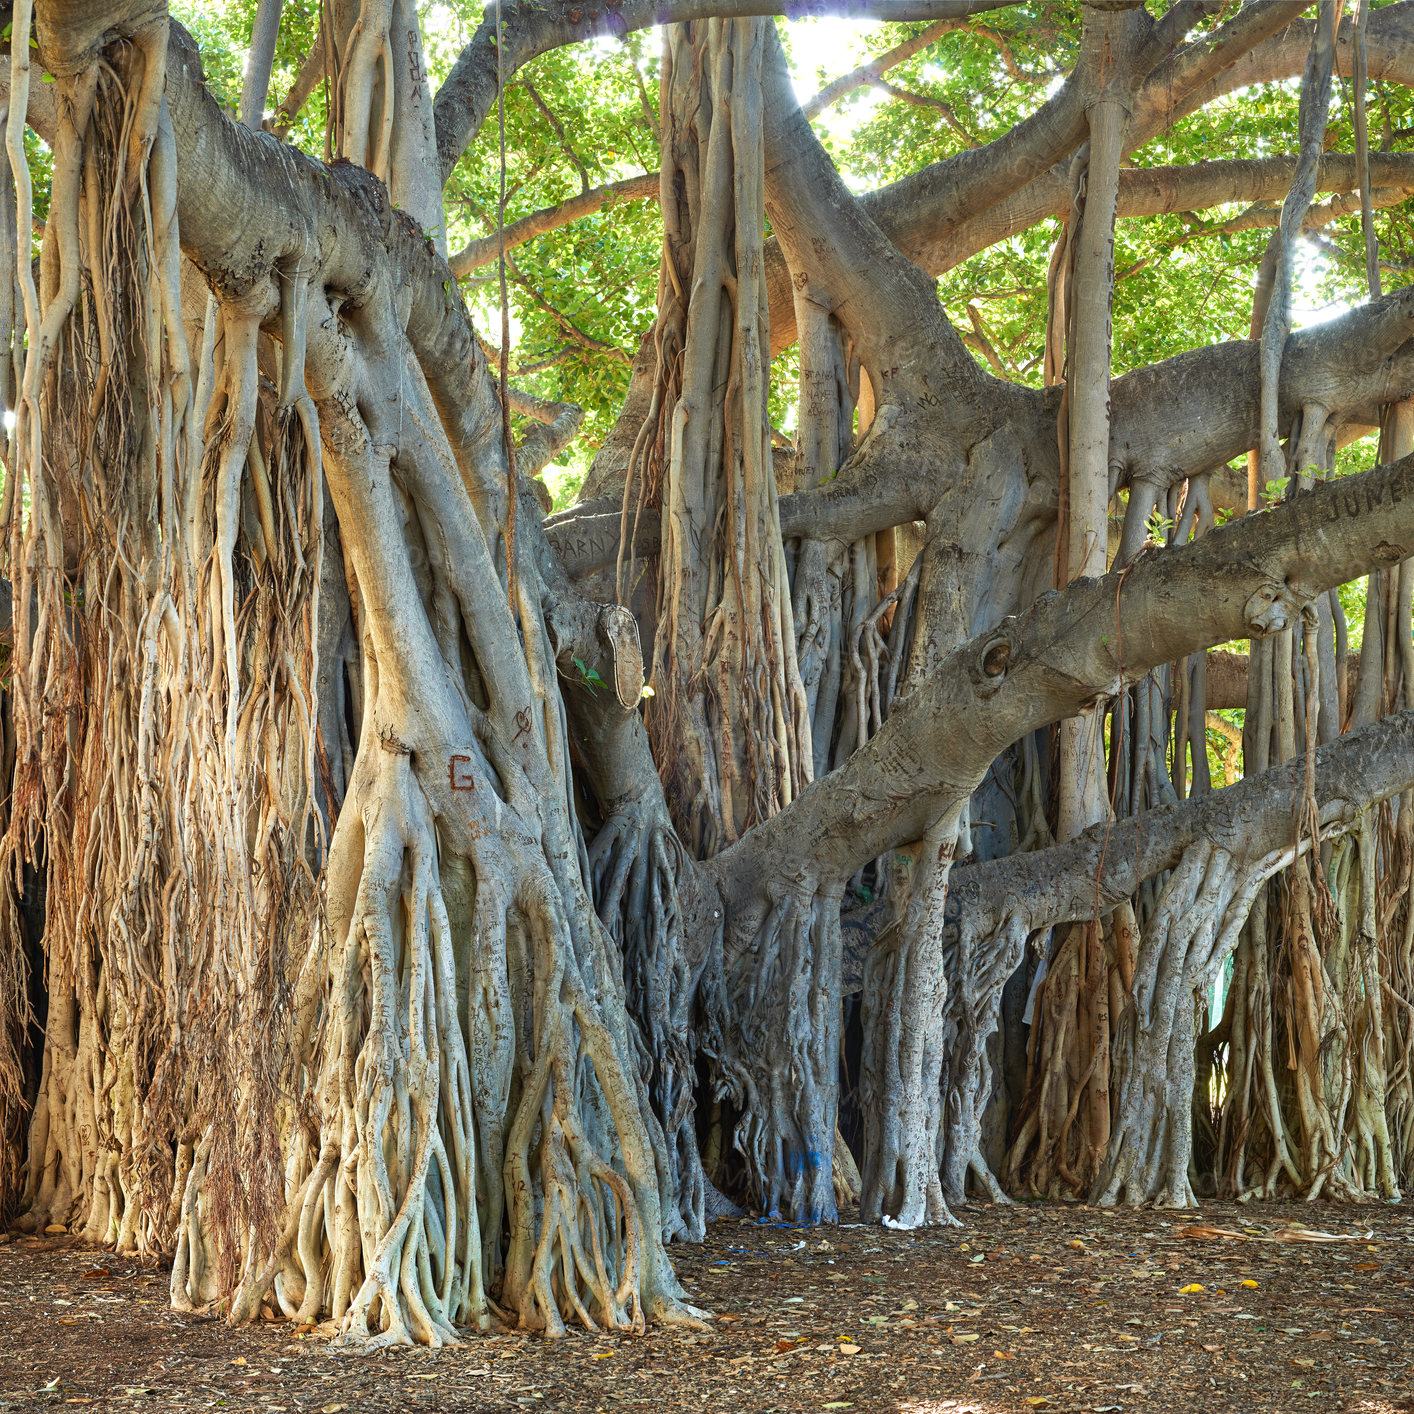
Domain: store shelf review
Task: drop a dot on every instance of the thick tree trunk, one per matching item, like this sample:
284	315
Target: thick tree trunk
457	1034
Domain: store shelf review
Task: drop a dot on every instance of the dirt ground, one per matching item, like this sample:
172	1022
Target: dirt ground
1026	1307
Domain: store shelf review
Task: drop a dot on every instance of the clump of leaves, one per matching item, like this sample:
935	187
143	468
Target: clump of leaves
589	677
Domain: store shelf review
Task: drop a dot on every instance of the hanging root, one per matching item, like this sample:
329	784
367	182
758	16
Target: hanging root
905	1010
141	851
1065	1127
1200	912
771	1032
635	861
980	969
729	721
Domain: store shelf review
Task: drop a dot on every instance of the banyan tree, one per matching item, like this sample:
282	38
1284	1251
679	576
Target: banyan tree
957	745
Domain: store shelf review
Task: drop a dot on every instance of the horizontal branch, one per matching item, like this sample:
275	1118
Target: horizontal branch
485	249
878	66
556	426
465	99
1150	189
1153	191
1179	418
1389	43
1249	578
949	211
1169	420
1250	819
1201	408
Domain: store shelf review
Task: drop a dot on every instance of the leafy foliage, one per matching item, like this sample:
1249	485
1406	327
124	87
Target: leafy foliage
582	296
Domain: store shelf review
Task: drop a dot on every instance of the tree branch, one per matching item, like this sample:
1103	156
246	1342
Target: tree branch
1144	191
1250	819
306	81
1174	419
466	97
934	105
484	249
943	214
855	272
1251	577
1202	408
568	327
871	72
1390	45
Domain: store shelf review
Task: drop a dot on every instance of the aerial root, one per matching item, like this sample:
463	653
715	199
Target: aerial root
634	864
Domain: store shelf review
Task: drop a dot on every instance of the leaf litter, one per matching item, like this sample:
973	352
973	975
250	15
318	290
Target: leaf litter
1058	1308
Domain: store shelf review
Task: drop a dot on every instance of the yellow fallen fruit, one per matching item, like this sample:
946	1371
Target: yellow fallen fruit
1250	1285
1189	1289
55	1228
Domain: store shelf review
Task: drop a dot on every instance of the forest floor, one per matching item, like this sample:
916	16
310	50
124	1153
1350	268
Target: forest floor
1026	1307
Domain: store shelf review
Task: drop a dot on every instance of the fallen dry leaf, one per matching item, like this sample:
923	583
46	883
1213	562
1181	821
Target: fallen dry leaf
849	1349
1310	1234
